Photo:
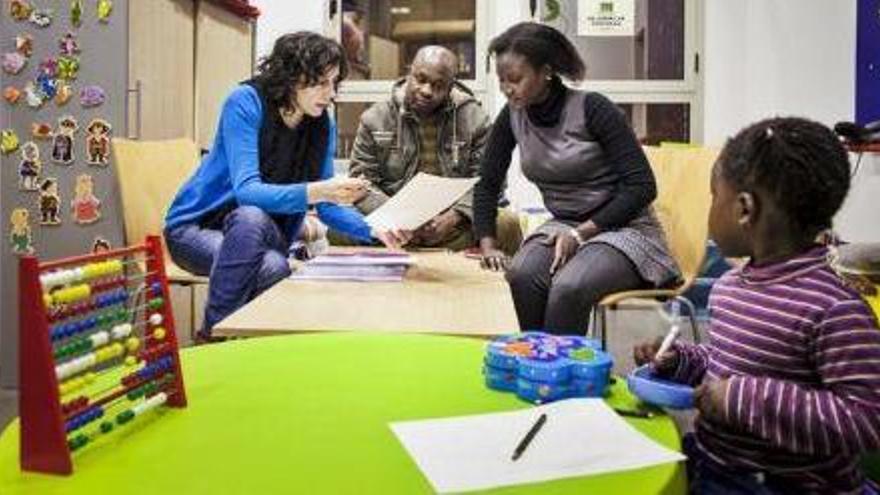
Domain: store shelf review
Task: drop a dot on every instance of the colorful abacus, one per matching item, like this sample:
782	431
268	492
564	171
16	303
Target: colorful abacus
88	321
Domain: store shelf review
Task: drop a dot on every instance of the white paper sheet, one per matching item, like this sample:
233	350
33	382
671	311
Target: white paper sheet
581	437
420	200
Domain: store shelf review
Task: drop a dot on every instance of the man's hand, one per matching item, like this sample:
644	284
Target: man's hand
340	190
710	398
439	228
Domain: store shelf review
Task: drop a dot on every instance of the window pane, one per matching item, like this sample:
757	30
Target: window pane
654	51
348	115
654	123
382	36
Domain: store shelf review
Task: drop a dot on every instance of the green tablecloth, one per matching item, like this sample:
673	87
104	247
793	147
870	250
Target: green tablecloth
309	414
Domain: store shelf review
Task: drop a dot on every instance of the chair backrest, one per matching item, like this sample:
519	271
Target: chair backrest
683	201
150	173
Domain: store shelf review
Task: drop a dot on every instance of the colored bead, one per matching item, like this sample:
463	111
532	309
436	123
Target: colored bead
124	417
156	319
106	427
130	360
159	333
156	303
132	344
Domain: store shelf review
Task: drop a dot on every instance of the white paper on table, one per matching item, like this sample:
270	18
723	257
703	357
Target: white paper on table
420	200
581	437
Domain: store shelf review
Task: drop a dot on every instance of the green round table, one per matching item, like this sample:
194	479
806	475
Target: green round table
310	414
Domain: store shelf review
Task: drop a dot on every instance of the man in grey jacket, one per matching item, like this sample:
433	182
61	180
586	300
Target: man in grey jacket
432	124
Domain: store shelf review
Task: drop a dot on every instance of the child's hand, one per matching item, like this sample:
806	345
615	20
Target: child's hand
646	353
710	398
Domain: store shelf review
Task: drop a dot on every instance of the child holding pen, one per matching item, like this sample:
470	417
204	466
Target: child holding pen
788	386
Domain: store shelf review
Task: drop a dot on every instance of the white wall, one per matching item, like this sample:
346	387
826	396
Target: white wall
777	57
284	16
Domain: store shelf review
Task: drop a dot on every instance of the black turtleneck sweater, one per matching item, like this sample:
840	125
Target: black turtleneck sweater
636	190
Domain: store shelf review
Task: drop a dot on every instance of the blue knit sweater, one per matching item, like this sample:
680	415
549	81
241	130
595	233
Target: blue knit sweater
230	174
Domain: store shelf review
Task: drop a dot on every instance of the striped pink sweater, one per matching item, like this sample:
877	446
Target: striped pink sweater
802	352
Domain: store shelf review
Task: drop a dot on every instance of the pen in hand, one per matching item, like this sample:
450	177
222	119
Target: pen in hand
524	443
667	343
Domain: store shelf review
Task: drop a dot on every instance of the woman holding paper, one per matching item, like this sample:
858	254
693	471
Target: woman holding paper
578	149
272	159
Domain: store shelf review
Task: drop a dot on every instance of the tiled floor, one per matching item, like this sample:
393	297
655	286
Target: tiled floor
626	327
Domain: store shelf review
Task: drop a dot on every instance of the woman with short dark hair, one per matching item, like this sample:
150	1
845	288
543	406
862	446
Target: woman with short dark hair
578	149
272	158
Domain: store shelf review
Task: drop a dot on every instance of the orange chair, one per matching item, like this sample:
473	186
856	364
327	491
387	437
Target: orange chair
682	207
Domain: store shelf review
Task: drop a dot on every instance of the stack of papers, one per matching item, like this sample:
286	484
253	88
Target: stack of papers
580	437
361	266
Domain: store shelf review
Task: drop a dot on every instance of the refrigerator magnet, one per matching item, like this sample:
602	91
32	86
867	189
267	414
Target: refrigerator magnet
24	44
41	130
62	140
105	7
98	142
8	141
29	167
42	18
62	96
13	62
50	202
32	95
101	245
92	96
20	10
68	67
68	45
20	231
86	207
76	11
11	94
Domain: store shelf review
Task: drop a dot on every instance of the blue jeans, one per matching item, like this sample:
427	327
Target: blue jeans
706	477
244	254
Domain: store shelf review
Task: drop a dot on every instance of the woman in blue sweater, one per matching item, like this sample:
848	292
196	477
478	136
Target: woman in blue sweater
272	158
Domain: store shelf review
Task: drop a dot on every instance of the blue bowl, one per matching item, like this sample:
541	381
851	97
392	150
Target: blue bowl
653	390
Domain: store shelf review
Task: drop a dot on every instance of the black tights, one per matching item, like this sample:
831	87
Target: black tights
561	304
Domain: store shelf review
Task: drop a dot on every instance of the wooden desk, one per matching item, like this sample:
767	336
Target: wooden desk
444	293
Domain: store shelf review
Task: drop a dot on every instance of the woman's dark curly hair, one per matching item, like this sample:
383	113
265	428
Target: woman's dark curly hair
799	163
300	57
540	45
297	58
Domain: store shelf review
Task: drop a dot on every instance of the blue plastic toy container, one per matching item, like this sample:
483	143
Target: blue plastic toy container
539	391
499	379
653	390
590	378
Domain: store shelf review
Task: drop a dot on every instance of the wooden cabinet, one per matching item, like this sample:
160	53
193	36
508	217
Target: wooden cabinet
184	58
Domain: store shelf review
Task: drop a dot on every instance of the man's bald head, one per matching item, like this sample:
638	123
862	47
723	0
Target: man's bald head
430	78
437	56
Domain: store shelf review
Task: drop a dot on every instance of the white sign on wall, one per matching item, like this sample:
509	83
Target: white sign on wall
606	17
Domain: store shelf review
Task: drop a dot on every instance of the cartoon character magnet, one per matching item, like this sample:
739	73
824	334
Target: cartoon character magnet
62	140
29	168
105	7
8	141
50	202
98	142
101	245
20	232
86	207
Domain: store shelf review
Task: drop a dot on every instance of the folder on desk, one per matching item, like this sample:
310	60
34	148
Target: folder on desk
360	266
579	437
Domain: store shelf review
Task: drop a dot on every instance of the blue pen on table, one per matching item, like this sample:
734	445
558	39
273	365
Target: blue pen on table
524	443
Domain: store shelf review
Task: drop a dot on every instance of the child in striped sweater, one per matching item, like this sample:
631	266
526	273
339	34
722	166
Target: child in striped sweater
788	386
